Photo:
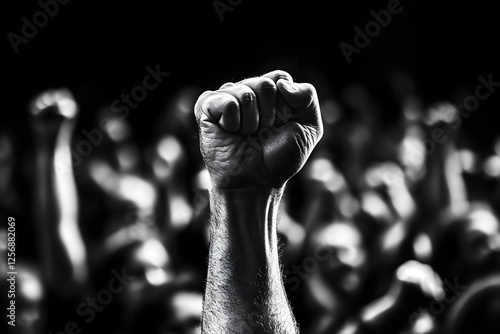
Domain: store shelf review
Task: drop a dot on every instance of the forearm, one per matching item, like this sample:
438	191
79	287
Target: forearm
244	291
62	248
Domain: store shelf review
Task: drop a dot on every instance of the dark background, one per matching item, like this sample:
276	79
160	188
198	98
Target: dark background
99	49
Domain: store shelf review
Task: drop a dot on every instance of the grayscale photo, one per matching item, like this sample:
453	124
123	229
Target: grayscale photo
250	167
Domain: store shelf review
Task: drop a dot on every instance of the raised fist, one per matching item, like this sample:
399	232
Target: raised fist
259	131
51	108
415	276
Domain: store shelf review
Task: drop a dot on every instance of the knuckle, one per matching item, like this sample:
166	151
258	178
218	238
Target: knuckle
309	92
227	85
266	85
247	97
204	96
201	101
228	106
224	101
310	88
282	75
231	105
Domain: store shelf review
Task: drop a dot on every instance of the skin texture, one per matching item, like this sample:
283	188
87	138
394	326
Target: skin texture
254	136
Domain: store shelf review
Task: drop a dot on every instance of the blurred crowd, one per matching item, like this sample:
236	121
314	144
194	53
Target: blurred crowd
389	228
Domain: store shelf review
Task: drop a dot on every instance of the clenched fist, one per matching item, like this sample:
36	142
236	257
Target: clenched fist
254	135
259	131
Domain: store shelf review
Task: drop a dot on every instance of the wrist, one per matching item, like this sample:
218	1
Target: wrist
245	195
247	214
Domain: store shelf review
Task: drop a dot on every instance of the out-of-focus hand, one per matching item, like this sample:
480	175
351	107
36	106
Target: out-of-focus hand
50	109
413	276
